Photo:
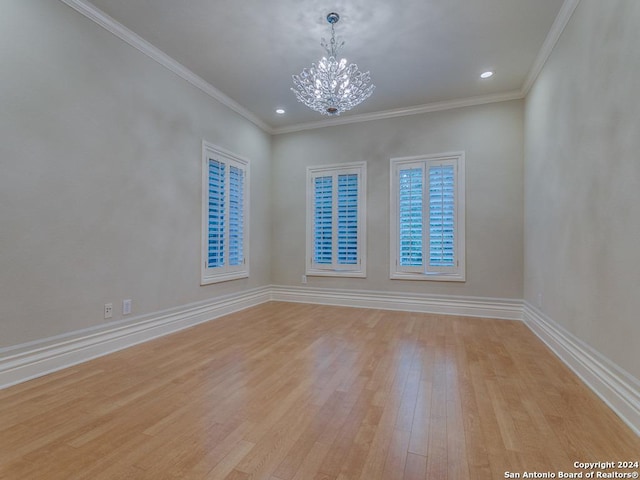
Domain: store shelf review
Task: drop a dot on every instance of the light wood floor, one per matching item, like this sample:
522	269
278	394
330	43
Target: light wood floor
290	391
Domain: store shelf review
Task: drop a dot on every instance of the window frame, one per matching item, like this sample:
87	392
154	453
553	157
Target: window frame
358	270
455	273
226	272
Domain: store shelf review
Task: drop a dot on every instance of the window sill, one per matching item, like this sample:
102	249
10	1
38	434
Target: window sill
433	277
336	273
223	277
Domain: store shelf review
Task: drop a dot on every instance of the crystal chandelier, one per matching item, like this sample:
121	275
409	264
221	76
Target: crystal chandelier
332	87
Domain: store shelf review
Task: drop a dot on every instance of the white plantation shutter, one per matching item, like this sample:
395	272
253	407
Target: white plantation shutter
236	216
216	214
335	225
411	181
323	220
442	215
348	219
427	224
225	215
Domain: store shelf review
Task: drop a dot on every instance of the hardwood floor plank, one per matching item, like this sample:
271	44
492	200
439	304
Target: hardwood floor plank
230	461
396	457
346	435
308	439
437	447
308	392
456	440
311	464
415	468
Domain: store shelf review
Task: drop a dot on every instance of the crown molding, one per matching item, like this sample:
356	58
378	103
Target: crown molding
111	25
564	15
123	33
403	112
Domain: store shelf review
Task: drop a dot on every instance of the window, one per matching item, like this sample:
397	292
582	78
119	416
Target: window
336	235
225	215
427	217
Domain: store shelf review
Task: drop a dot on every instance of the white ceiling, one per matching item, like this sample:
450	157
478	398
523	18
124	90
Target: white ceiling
419	52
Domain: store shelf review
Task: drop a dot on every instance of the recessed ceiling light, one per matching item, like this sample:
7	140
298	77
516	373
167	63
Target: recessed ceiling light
486	74
280	111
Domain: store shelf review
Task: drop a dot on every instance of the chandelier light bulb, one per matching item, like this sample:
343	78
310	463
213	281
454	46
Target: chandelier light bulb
331	87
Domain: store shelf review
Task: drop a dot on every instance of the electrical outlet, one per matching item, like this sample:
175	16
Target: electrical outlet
539	300
108	310
126	307
304	279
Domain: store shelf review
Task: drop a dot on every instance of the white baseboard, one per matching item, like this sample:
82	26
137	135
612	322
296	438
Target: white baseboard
440	304
49	355
617	388
34	359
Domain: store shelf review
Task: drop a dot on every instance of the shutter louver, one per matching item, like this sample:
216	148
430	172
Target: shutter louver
442	216
348	219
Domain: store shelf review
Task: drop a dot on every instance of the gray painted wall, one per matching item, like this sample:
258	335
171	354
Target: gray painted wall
100	183
492	137
582	181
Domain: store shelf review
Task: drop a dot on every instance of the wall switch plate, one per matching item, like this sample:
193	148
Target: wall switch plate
126	307
304	279
108	310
